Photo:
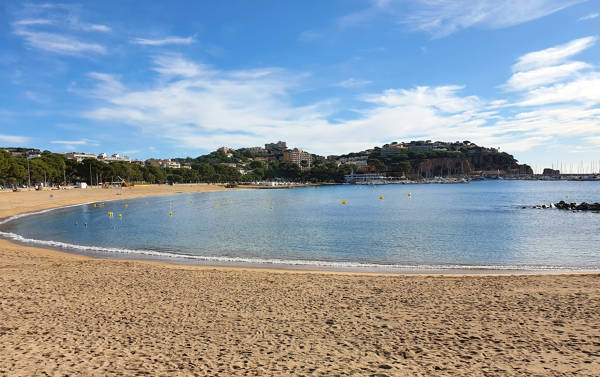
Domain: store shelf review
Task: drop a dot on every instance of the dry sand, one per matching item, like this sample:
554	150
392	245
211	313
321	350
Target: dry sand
63	314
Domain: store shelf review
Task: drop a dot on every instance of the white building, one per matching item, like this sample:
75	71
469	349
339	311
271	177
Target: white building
170	164
79	156
113	158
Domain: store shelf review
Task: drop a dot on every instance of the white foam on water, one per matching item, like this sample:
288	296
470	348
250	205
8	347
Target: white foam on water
289	262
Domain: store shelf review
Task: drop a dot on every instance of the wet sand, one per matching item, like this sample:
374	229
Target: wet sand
64	314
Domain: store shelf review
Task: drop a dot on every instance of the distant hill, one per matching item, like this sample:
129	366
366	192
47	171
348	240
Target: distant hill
415	159
429	159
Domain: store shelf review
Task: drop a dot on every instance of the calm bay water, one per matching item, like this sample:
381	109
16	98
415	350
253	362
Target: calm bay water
480	224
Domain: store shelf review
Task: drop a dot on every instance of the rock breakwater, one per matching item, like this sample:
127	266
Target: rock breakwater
584	206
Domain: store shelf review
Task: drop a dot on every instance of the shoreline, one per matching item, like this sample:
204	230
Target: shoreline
198	262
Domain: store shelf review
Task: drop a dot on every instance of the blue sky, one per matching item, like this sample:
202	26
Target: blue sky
181	78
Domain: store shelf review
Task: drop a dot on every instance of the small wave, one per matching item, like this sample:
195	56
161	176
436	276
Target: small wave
285	262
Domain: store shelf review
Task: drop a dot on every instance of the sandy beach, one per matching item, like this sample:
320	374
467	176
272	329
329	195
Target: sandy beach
65	314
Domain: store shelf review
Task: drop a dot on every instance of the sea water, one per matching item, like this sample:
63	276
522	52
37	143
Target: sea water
480	225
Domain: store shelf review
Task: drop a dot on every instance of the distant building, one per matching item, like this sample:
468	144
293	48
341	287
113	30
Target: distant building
390	149
280	146
170	164
360	161
296	156
80	156
366	178
256	150
113	158
23	152
223	149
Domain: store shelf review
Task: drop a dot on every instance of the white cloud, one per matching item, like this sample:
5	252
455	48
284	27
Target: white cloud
164	41
204	108
543	76
547	77
52	27
583	90
107	85
94	27
60	15
193	105
29	21
14	140
590	16
554	55
441	18
594	139
353	83
60	44
559	100
173	65
69	142
444	17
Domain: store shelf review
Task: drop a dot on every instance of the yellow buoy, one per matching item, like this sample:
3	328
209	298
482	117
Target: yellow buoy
381	197
271	208
94	204
170	213
344	202
110	214
190	201
567	196
120	215
229	200
218	203
126	205
409	194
